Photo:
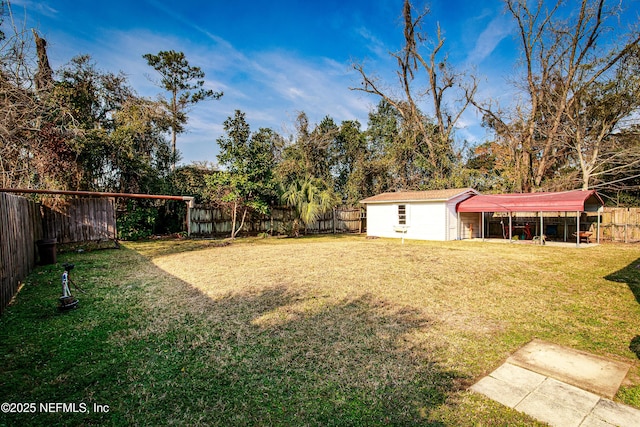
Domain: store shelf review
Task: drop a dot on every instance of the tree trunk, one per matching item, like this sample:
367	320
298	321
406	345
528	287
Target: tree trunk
234	214
244	216
44	75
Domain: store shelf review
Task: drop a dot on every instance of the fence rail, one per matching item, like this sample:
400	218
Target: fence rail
209	221
620	225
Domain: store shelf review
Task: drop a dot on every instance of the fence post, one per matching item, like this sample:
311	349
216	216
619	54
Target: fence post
191	203
334	220
626	226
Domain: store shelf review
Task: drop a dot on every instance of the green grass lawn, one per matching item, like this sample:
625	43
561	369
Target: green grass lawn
336	330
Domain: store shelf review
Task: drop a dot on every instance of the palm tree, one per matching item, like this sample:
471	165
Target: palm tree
309	199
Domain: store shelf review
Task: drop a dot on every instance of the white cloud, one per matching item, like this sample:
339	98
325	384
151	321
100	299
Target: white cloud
374	44
499	28
19	6
270	87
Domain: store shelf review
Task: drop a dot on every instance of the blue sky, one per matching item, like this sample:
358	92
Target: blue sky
273	59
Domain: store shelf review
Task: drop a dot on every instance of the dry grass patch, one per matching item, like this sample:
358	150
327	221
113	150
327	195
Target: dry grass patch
479	302
312	331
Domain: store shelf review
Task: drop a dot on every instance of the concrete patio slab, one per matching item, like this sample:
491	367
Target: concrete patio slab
501	391
558	403
522	378
608	410
540	390
587	371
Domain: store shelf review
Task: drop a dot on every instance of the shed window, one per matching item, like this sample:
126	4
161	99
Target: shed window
402	214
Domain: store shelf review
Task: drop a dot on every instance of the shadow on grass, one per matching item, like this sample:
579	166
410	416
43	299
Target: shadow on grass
158	351
635	345
631	276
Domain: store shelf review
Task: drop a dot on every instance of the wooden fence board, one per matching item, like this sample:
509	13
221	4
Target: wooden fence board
620	225
23	223
209	221
80	220
19	231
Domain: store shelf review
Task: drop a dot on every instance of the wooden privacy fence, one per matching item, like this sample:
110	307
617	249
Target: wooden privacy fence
620	225
20	228
24	222
80	220
212	221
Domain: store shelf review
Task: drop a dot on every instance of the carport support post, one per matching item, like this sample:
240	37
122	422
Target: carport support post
578	229
541	234
510	229
598	238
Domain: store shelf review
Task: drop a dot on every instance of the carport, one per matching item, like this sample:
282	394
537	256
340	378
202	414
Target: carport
569	206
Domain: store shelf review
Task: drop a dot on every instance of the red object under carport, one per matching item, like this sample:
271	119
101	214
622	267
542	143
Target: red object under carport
567	201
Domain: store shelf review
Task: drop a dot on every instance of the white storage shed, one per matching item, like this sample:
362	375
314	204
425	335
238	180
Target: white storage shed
420	215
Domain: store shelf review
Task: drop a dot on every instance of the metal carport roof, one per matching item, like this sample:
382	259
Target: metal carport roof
566	201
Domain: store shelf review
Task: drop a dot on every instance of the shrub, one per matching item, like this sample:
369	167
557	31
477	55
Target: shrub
136	222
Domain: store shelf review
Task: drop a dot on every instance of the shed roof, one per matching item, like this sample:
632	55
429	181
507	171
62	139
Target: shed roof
419	196
566	201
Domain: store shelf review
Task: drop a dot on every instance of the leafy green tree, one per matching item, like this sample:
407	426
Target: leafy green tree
115	138
382	130
80	128
398	158
351	163
317	149
140	157
338	156
87	96
309	198
246	184
185	84
191	180
310	152
482	168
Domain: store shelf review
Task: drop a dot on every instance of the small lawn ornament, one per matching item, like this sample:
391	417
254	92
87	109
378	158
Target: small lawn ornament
67	301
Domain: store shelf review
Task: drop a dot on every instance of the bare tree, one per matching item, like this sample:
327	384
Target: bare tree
85	130
621	172
44	75
566	61
20	108
425	78
599	138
